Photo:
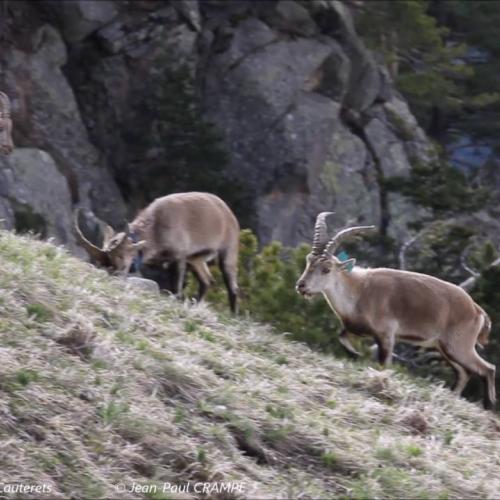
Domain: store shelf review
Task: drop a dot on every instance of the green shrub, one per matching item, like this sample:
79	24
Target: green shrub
176	129
439	186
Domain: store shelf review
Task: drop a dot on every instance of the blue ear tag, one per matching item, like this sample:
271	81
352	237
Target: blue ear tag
137	262
342	256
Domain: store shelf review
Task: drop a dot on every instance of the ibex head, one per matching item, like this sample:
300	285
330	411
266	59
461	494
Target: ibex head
321	264
6	144
118	250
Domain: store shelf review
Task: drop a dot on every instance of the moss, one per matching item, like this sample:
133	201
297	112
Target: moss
329	176
402	129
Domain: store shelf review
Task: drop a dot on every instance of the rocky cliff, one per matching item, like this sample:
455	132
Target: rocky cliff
309	120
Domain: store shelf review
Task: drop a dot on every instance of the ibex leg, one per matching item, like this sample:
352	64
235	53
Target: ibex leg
229	268
462	375
385	347
473	363
181	270
203	275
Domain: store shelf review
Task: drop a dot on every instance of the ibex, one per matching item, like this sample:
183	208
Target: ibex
391	305
185	229
6	144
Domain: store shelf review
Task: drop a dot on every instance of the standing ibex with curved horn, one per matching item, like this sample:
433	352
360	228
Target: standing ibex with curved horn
6	144
391	305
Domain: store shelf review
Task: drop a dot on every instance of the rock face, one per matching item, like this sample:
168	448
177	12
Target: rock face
35	196
309	119
46	116
312	123
78	19
65	170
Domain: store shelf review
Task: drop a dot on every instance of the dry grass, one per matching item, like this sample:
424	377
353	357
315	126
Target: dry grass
101	386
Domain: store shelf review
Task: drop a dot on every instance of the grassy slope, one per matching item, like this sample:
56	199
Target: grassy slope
100	385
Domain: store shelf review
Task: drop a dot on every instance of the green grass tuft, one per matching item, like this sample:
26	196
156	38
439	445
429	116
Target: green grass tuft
25	377
413	450
39	312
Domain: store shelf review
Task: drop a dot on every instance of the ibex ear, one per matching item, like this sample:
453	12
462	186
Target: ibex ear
140	244
347	265
118	240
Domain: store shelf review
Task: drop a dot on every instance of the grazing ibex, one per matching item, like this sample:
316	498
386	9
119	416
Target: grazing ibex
6	144
185	229
391	305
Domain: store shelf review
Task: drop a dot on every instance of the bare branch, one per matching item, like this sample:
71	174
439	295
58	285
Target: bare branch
407	244
467	284
404	247
471	282
463	262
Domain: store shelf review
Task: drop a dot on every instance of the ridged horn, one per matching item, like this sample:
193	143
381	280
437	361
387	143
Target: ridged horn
320	233
96	254
341	236
108	234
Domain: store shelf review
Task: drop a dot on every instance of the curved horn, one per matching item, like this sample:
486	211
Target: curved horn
108	234
4	106
342	235
96	254
320	233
